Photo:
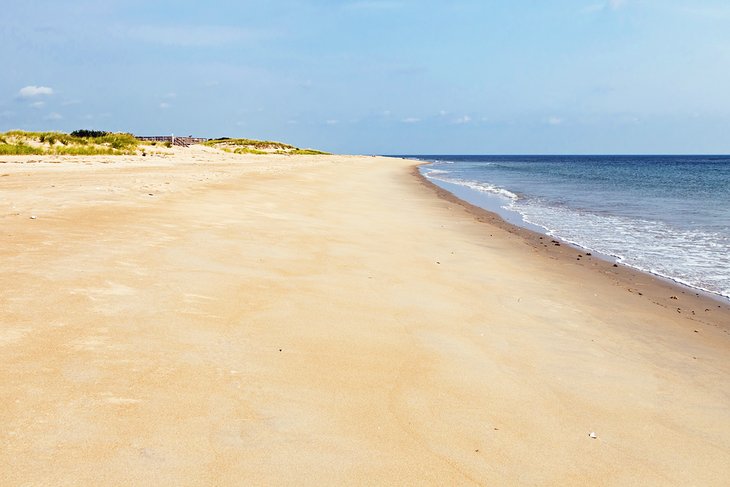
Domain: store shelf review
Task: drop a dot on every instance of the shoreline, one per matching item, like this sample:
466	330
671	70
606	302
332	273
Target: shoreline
658	240
701	306
489	203
211	319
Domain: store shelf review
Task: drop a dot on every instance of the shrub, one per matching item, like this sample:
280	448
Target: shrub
89	133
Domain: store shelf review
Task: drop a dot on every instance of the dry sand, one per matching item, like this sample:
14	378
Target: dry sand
204	319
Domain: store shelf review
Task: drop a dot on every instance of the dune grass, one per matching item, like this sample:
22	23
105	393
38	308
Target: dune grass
252	146
309	152
19	142
20	150
251	143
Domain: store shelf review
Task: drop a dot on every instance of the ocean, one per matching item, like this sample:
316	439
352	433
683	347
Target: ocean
667	215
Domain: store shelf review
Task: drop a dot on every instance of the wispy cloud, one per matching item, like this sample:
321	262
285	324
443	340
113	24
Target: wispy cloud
716	12
461	120
411	120
332	122
164	105
192	35
53	116
605	5
32	91
554	120
38	104
373	5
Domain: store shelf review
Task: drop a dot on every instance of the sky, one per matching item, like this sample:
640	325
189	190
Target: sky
378	76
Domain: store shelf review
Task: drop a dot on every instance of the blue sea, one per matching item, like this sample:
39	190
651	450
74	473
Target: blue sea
667	215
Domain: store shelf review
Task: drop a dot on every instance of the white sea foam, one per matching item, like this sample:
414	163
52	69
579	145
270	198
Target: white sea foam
434	172
693	258
474	185
653	231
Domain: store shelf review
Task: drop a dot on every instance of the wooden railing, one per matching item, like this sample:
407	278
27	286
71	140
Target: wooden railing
174	140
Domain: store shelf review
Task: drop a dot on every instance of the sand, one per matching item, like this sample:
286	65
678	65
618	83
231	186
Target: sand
209	319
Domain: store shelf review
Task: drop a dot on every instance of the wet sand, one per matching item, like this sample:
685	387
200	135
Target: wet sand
203	319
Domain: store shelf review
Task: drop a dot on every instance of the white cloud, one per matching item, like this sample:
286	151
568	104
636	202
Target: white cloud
38	104
617	4
411	120
332	122
33	91
292	122
53	116
164	105
170	95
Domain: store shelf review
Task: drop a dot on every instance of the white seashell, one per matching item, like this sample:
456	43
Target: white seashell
593	435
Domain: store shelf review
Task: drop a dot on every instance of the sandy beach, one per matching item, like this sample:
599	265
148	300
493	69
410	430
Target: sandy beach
214	319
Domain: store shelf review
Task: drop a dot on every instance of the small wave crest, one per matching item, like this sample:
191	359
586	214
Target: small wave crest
473	185
434	172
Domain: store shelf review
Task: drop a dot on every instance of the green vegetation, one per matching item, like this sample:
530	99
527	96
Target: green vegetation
97	142
246	150
78	143
19	150
85	151
123	142
250	143
251	146
89	133
309	152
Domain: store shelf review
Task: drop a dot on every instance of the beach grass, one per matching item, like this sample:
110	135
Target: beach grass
251	143
19	150
79	143
308	152
252	146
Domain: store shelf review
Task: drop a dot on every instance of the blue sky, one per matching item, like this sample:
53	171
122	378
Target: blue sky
379	76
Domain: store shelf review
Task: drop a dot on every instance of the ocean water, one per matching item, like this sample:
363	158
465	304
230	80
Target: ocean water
668	215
